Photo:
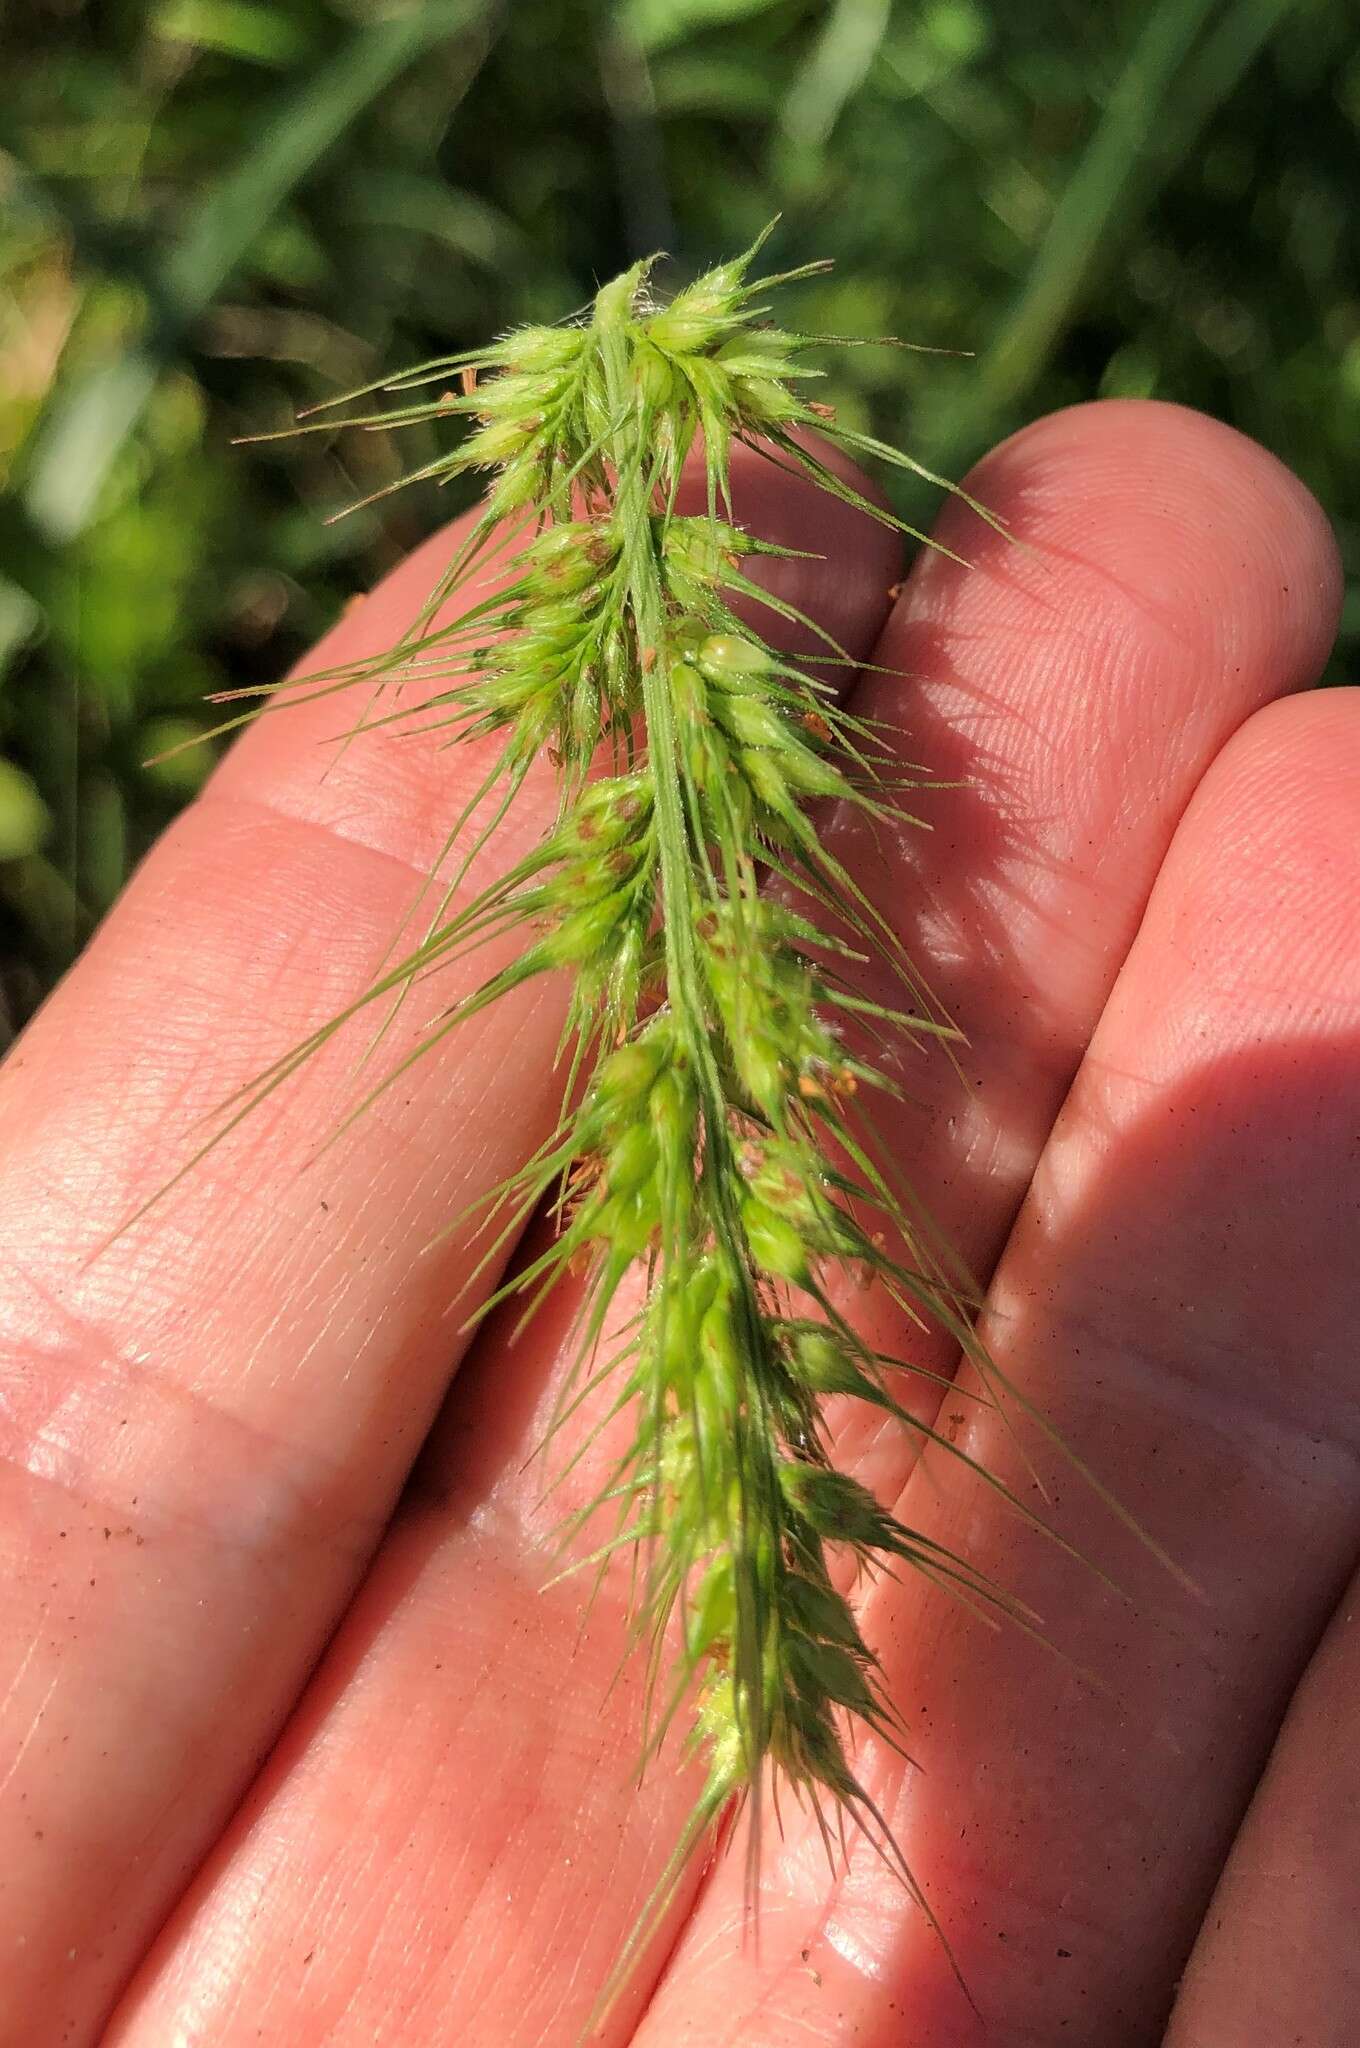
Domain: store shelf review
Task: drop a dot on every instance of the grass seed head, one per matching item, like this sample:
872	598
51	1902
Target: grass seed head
704	1131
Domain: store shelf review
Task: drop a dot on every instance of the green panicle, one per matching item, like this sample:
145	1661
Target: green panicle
708	1127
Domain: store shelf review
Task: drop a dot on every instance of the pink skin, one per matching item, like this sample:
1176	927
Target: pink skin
1148	928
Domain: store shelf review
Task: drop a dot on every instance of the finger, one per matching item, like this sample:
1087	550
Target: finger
1179	1300
206	1425
1174	578
1148	692
1277	1958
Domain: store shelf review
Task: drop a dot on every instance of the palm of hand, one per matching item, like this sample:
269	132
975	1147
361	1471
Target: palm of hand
207	1429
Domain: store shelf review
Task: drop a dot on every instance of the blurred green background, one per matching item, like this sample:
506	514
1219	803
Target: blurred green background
217	210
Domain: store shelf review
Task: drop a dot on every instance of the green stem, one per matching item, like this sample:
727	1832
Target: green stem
643	581
683	974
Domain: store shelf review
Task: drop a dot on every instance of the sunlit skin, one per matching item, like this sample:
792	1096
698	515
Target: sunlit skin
294	1745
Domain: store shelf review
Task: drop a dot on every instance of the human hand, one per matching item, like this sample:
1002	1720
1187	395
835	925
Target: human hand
290	1755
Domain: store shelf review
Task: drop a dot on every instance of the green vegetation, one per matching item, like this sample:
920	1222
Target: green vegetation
215	211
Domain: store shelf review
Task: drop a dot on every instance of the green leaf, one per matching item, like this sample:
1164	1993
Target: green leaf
261	35
659	23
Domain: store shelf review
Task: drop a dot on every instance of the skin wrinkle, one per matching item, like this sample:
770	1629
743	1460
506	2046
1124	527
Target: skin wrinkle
298	1476
519	830
273	810
272	1513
